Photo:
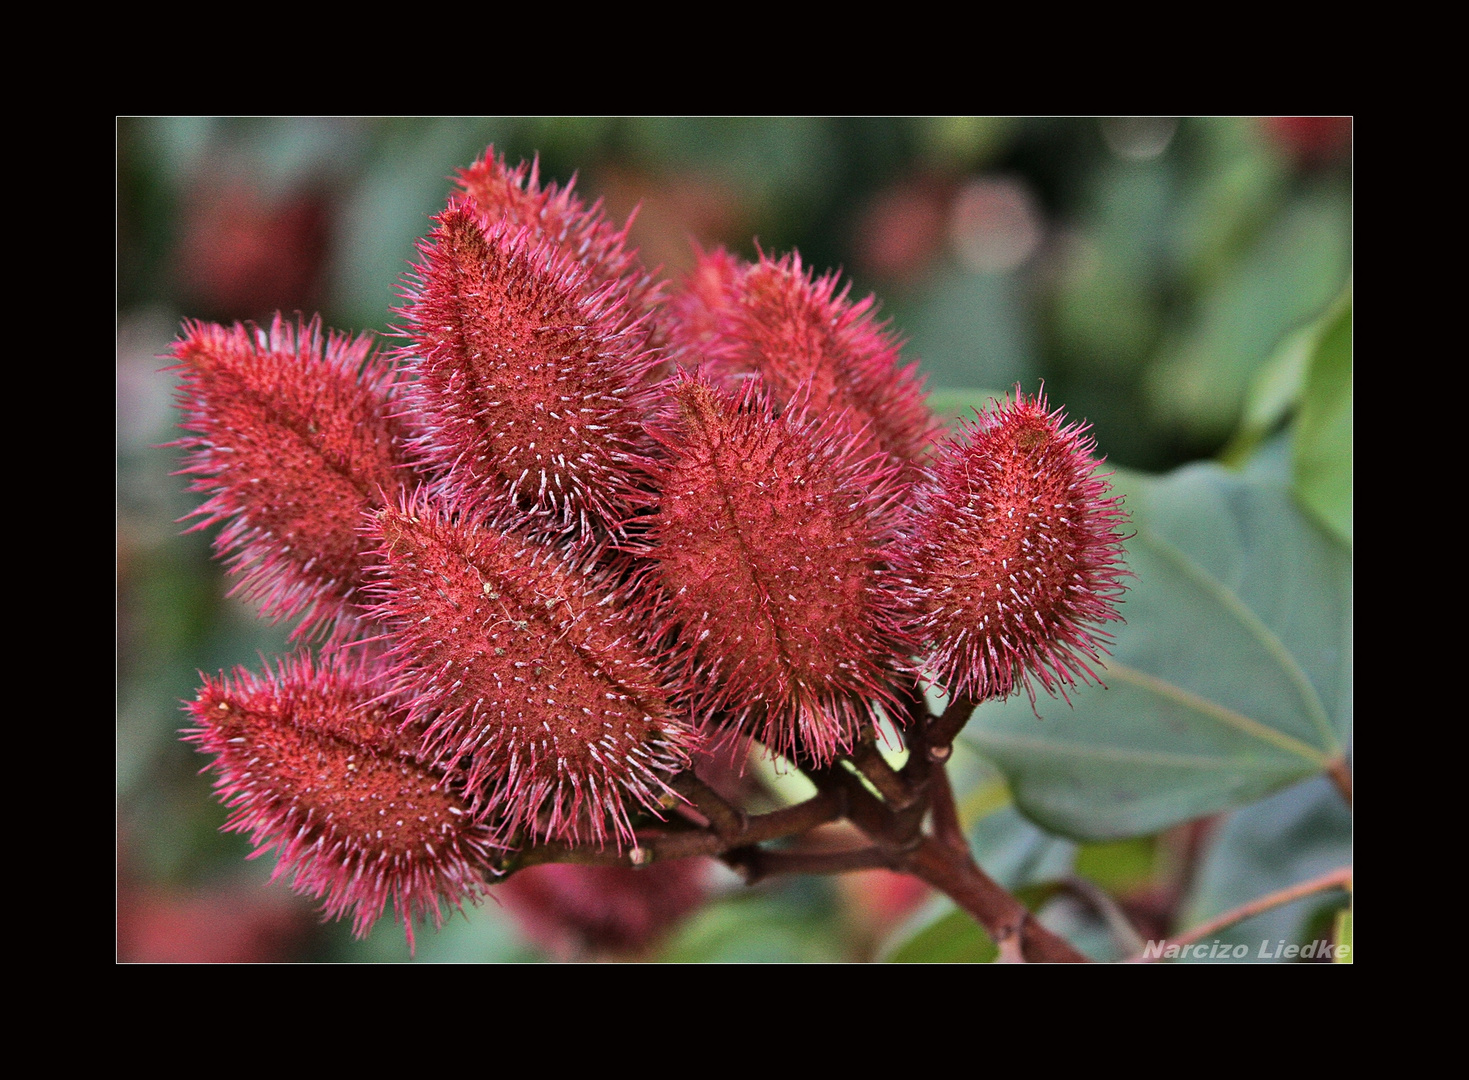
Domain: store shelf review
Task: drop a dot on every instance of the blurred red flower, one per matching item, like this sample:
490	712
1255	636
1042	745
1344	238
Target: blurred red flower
244	253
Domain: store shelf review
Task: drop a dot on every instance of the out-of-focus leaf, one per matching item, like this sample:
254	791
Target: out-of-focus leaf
1016	854
1199	379
1344	936
775	161
1106	308
1294	836
981	800
942	935
401	188
1233	189
964	141
1120	865
756	928
971	329
1310	373
1105	315
477	935
1275	390
1230	680
1323	438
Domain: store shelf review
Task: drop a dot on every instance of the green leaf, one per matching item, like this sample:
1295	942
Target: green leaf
483	935
1291	837
971	329
944	935
1201	374
1323	438
1343	936
1016	854
1119	866
781	926
1275	391
1230	679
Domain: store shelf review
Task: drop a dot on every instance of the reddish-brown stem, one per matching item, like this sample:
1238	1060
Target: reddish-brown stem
1005	918
943	730
891	785
892	819
756	863
726	820
865	811
791	820
947	865
946	824
671	842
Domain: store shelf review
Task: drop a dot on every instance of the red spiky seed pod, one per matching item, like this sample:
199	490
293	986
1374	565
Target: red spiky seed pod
318	764
1018	559
771	541
525	665
531	378
293	438
515	196
815	348
697	312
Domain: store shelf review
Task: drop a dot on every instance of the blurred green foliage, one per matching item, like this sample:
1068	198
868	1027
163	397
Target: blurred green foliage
1184	285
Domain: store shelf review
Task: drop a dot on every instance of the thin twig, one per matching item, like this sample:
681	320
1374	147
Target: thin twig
670	842
821	808
868	760
1336	879
893	823
945	729
758	863
864	810
946	824
726	819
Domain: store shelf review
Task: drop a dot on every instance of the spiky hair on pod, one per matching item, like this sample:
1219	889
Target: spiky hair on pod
772	541
700	307
318	764
1018	560
294	436
524	664
811	345
530	378
516	196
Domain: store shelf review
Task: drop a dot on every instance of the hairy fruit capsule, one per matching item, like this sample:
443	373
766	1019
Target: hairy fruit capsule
771	541
317	764
1018	560
522	664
